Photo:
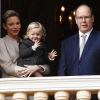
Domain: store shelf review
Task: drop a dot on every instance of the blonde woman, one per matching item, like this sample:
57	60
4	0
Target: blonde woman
9	49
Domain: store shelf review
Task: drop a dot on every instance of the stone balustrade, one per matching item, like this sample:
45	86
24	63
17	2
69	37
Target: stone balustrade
40	88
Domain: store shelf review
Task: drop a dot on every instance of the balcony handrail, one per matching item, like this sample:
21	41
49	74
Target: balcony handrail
50	84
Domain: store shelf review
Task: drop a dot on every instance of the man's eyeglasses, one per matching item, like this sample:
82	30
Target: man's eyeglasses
83	17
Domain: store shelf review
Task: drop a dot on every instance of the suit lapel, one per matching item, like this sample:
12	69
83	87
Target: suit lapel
88	44
76	48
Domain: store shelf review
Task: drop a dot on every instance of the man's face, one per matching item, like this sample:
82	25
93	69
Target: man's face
84	19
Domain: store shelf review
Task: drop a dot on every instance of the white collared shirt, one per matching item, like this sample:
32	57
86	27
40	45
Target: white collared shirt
87	36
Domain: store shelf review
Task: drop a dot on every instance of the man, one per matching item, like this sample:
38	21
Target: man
77	59
80	56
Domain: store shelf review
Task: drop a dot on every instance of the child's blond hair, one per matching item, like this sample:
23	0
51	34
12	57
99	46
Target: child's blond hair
33	25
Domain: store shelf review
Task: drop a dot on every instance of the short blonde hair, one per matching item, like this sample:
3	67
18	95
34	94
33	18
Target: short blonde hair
33	25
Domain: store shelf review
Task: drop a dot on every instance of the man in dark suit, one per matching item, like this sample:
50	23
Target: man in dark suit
77	59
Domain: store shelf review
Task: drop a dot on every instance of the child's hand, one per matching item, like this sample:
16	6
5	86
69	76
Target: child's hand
52	55
36	44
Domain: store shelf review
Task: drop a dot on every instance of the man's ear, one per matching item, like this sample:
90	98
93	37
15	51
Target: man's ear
4	26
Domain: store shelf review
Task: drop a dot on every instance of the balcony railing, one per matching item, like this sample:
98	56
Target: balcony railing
39	88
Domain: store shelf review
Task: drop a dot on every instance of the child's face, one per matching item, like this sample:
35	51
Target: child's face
35	34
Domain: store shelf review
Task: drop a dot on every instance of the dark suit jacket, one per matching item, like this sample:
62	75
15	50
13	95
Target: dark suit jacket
27	56
89	63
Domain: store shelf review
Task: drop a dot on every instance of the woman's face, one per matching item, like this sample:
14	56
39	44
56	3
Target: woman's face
12	26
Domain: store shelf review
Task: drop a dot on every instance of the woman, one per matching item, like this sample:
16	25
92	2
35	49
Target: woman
9	51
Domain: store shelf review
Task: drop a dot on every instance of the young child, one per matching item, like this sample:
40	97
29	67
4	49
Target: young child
32	49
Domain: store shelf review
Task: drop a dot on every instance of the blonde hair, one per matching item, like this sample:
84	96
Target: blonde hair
10	13
33	25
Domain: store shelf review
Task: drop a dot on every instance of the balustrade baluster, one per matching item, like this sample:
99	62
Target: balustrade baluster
2	96
19	96
40	96
83	95
61	95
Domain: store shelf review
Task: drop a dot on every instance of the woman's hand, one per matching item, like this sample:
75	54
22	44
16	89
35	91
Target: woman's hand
22	71
29	70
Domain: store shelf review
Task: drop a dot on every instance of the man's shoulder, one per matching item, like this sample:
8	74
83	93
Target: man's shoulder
70	38
96	31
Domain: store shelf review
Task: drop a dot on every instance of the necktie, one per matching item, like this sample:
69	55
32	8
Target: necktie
83	40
